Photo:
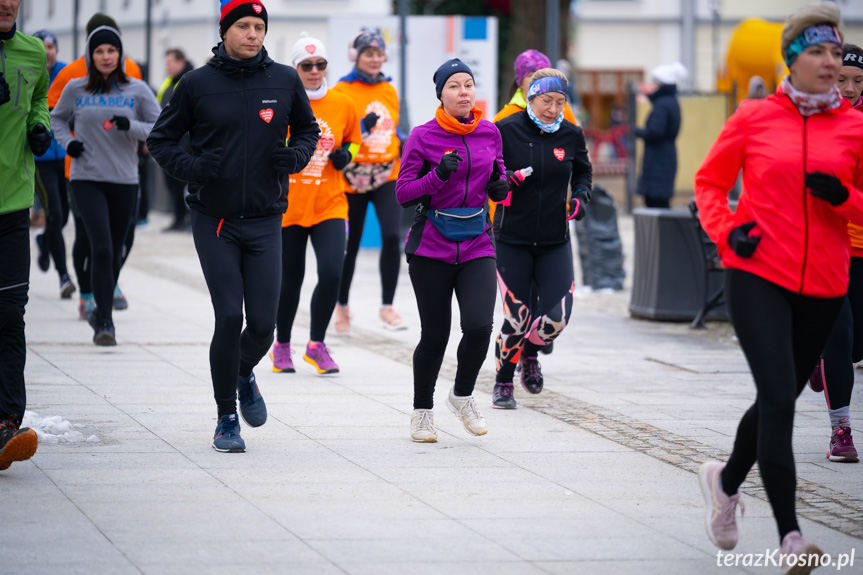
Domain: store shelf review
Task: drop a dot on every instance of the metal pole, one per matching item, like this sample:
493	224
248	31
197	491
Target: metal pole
552	30
75	9
404	123
687	40
148	40
631	90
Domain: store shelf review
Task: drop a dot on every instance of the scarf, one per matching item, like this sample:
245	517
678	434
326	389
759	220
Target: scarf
319	93
7	35
547	128
809	104
453	126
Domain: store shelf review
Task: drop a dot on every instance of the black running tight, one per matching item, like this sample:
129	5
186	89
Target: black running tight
328	241
782	335
389	217
845	346
81	248
53	179
434	283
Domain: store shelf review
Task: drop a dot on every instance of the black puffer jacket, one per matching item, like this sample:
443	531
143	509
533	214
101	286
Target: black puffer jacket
244	108
537	213
659	165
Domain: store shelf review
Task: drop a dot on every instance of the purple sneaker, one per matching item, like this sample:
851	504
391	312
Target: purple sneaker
281	356
842	446
816	380
319	356
720	522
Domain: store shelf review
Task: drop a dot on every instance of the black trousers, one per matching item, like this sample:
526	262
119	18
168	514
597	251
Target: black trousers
53	176
434	282
107	211
389	217
845	346
14	285
241	260
177	190
328	241
782	335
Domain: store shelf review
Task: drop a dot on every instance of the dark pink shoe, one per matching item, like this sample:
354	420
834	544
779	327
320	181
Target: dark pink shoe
816	380
842	447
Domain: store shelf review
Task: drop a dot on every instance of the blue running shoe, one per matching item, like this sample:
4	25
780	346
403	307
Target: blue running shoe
227	438
252	406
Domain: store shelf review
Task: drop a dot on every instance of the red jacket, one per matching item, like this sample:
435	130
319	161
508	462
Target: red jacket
804	246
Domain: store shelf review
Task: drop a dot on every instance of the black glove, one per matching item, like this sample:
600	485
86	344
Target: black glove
122	122
207	166
448	164
579	200
340	158
39	138
514	179
741	242
285	159
75	148
826	187
5	92
497	190
369	121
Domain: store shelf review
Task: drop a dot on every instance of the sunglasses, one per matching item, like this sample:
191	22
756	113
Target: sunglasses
307	66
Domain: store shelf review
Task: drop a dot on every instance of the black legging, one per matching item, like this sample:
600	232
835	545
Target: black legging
389	217
14	285
53	176
524	272
328	241
177	191
81	248
782	335
107	210
434	282
241	260
845	346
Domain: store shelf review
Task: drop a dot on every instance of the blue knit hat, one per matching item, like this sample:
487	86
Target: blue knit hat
446	70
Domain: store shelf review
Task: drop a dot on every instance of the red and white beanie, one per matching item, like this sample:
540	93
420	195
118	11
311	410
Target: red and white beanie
307	47
233	10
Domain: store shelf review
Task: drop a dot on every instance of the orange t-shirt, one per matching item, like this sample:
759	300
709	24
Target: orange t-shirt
318	192
78	69
382	144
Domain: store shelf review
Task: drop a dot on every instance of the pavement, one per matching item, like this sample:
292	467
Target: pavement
595	475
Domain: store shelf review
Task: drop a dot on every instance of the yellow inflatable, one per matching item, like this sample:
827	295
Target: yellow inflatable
752	51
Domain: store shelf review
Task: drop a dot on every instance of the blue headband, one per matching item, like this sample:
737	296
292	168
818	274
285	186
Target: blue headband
809	37
546	85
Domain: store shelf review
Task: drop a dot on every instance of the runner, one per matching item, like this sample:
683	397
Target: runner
317	210
452	165
24	132
372	173
237	111
110	113
534	254
525	65
786	254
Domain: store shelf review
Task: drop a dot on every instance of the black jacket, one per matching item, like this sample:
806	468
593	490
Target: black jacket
659	164
244	108
537	212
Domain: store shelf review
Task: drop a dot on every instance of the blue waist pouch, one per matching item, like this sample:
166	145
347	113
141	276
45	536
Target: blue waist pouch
458	224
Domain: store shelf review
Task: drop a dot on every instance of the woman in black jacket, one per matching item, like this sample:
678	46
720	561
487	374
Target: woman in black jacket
532	230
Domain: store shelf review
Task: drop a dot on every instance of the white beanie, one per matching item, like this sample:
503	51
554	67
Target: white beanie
669	73
307	47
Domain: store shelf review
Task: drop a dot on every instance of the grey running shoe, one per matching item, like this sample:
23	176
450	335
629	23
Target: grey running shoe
502	396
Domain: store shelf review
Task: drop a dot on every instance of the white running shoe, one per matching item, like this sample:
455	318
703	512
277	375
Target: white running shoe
422	426
465	409
391	319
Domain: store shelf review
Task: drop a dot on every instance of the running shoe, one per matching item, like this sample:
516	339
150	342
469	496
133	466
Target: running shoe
721	520
799	556
67	288
227	438
120	302
422	426
86	306
343	320
502	396
281	356
16	444
816	380
252	406
391	319
531	374
319	356
466	410
44	259
547	348
104	335
842	446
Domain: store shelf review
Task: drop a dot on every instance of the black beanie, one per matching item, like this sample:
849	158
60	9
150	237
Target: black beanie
233	10
101	36
98	19
446	70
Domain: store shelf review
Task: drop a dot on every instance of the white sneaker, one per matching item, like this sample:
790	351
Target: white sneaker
465	409
343	320
422	426
391	319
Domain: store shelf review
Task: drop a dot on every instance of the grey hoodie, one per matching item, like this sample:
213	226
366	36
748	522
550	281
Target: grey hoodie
110	155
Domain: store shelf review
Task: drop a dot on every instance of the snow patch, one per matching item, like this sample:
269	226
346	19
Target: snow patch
54	429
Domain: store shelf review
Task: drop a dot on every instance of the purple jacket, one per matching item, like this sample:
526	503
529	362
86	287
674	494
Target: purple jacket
418	183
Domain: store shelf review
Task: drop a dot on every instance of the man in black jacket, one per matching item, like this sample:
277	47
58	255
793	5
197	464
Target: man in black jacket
238	111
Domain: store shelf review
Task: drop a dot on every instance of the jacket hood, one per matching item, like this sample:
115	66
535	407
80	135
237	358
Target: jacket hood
89	49
221	61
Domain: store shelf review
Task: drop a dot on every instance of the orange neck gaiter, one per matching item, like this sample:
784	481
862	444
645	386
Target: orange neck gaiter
453	126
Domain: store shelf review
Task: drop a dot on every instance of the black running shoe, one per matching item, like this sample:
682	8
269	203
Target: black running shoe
44	259
531	375
502	396
104	335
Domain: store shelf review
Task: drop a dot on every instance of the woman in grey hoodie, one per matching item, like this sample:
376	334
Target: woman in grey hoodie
110	113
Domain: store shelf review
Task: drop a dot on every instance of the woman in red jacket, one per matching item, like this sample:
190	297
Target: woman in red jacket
786	252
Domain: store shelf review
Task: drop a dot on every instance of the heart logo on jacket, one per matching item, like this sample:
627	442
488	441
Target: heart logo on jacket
559	153
107	125
266	114
257	8
327	143
311	48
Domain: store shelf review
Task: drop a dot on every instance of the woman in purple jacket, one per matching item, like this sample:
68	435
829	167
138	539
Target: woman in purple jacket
450	167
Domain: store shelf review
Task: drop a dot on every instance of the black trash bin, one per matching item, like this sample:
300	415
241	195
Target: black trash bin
599	247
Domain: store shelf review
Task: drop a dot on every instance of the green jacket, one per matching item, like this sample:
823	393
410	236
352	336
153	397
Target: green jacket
22	61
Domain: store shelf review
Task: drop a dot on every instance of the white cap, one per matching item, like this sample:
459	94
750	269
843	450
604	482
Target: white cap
307	47
669	73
